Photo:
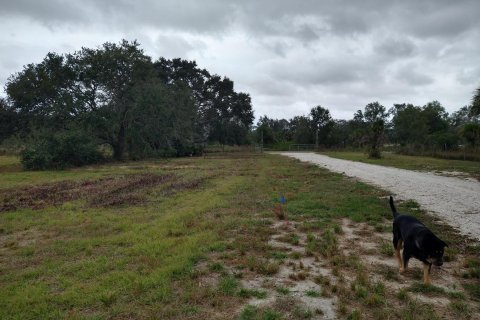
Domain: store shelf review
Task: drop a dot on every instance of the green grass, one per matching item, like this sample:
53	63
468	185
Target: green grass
14	176
253	313
429	289
9	164
313	293
416	311
386	248
6	161
105	262
474	290
228	285
283	290
411	162
355	315
74	260
248	293
279	255
216	267
460	309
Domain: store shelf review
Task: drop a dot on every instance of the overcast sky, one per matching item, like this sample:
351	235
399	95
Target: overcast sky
289	55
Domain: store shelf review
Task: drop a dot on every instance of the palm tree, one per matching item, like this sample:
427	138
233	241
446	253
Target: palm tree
475	110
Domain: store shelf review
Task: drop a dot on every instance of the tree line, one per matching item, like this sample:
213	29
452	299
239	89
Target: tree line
68	107
412	129
114	101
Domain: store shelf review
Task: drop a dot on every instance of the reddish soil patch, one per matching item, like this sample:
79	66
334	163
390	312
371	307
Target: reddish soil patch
125	190
106	191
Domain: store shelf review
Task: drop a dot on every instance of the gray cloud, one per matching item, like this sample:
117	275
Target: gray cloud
412	74
47	12
394	47
328	71
172	46
422	19
190	15
290	55
443	19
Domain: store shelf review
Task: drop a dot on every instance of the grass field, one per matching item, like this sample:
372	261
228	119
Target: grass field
471	168
198	238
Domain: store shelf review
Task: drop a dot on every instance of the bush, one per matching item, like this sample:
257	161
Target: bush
281	146
138	149
374	153
13	145
59	151
183	150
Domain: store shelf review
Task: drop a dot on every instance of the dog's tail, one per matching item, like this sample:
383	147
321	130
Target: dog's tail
392	206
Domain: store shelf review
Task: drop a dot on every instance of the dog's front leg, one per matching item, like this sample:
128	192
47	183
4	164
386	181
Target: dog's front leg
426	272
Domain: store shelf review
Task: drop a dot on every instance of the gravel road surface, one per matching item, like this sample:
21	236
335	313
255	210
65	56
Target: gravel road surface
455	200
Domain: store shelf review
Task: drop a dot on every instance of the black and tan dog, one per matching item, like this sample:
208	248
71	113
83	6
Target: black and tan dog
417	241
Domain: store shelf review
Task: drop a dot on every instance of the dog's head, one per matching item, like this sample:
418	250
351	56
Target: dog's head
434	248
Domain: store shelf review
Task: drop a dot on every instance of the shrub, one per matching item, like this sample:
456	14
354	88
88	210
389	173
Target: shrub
188	150
374	153
139	150
59	151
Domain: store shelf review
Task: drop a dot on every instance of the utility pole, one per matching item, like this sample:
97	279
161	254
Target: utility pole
261	141
316	139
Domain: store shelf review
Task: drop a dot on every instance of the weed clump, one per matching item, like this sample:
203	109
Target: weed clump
254	313
328	245
248	293
262	266
473	289
386	248
313	293
460	308
473	269
228	285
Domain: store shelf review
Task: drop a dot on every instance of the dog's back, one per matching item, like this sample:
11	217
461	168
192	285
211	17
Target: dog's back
405	225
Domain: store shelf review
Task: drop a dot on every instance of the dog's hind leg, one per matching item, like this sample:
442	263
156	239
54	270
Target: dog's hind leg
406	257
426	272
397	243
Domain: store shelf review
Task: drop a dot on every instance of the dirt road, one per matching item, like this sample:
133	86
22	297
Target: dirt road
454	200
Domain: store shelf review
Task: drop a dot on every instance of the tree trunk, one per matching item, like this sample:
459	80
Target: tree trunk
119	148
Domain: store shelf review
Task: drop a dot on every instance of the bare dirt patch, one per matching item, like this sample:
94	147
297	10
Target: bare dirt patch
358	274
107	191
294	288
380	267
37	197
124	190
